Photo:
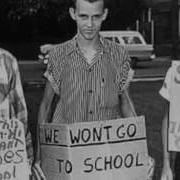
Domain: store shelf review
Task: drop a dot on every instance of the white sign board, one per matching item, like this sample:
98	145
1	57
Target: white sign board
102	150
174	115
13	157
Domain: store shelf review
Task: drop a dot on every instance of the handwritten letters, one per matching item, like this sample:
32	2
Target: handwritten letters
13	158
100	150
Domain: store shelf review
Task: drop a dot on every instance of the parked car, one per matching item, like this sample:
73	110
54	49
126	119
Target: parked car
136	45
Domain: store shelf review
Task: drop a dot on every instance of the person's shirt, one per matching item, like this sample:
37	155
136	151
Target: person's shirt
11	89
165	89
88	92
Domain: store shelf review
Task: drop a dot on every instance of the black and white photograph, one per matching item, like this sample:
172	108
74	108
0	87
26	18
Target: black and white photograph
89	89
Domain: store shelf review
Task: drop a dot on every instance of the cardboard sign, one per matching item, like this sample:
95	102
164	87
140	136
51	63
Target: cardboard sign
174	115
102	150
13	157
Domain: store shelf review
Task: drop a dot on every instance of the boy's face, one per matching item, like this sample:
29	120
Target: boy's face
89	17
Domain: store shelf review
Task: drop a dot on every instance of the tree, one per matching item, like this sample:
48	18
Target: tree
32	17
124	13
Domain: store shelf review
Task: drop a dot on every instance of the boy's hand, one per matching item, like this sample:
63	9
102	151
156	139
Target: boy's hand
44	56
37	172
46	48
166	173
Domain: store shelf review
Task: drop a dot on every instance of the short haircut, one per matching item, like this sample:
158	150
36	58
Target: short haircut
73	2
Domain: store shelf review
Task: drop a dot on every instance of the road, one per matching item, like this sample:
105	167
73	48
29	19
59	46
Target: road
32	71
155	68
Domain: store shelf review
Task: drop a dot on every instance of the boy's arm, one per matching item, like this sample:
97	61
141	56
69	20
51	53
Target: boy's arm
166	170
126	105
165	134
44	110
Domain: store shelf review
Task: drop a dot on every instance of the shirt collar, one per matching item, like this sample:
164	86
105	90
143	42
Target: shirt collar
105	44
74	47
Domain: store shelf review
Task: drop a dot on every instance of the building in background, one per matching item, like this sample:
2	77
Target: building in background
165	15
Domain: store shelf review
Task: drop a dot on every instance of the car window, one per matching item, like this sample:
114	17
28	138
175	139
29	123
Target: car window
116	39
110	38
131	40
113	39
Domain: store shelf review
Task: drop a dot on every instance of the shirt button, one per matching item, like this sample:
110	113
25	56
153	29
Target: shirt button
90	70
90	91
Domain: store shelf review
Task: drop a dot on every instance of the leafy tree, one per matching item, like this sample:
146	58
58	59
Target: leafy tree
33	17
124	13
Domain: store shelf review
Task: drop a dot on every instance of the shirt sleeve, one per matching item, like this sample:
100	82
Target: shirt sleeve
165	89
126	73
53	71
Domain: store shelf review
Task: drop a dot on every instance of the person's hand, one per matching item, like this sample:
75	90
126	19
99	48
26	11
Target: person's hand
37	172
166	173
151	165
44	56
46	48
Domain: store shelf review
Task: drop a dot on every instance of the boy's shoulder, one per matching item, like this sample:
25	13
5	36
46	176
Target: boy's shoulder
63	49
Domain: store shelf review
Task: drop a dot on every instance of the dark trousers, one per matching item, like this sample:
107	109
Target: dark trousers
177	166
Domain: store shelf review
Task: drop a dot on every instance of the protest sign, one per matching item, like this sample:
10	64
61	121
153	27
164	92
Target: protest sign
103	150
13	157
174	115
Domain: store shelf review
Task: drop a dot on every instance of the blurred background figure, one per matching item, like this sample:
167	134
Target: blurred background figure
12	101
44	50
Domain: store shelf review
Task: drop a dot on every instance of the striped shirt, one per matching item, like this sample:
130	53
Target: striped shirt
88	92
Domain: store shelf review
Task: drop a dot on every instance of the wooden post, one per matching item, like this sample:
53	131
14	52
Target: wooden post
137	25
149	15
152	32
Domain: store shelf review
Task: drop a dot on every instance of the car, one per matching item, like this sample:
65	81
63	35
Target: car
136	45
